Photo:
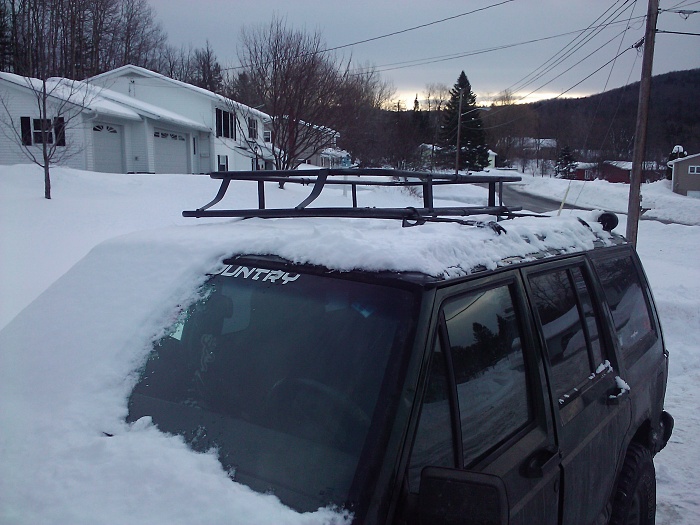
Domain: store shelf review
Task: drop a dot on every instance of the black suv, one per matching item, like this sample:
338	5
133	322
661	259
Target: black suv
531	393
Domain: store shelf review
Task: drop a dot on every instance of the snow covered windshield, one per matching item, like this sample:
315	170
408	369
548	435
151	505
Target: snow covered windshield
281	373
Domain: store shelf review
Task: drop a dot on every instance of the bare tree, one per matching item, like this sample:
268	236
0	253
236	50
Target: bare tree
177	63
79	38
59	103
436	96
207	72
300	86
360	123
507	124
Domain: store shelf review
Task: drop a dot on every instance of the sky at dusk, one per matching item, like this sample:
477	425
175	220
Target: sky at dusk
568	40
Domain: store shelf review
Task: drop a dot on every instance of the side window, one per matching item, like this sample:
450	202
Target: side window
252	128
624	292
555	301
433	444
591	323
489	369
570	329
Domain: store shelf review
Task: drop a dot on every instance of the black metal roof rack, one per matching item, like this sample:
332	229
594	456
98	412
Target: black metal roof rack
321	178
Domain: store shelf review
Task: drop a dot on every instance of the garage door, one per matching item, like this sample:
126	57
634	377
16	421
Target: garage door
170	151
108	141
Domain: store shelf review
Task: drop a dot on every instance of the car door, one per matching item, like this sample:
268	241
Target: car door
484	406
591	403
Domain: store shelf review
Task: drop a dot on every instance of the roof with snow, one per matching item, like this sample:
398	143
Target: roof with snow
627	165
671	162
101	101
143	72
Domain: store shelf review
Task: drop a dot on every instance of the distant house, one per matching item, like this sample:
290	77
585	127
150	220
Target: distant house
586	171
539	148
98	130
332	158
621	171
234	138
685	178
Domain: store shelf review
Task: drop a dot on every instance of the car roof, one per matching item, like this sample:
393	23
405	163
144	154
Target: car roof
440	242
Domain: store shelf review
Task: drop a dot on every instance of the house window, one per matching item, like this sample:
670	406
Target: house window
222	162
42	127
32	132
694	170
225	124
252	128
267	136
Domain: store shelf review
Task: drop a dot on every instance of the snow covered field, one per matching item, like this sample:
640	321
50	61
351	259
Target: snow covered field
40	240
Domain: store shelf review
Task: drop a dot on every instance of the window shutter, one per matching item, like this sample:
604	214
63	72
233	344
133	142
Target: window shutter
59	130
26	123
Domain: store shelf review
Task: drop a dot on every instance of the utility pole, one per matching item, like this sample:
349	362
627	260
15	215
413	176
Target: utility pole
640	134
459	130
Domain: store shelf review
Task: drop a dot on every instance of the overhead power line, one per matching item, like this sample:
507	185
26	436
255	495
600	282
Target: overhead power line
572	47
394	33
677	33
454	56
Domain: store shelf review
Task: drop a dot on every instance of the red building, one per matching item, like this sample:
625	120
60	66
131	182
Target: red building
621	171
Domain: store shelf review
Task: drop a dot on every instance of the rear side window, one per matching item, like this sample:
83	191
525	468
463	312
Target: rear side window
630	310
556	302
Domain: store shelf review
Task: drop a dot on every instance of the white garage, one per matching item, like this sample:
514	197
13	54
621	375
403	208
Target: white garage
171	154
108	147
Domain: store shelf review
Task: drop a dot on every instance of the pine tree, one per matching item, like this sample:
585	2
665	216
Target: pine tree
473	153
566	165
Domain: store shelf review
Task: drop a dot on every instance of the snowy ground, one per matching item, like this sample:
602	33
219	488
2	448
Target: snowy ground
40	240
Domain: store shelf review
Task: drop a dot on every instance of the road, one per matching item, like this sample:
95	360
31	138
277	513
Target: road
537	204
540	204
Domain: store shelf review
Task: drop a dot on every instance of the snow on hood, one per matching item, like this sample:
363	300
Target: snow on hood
69	360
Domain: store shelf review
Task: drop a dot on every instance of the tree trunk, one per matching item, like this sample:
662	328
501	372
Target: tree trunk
44	141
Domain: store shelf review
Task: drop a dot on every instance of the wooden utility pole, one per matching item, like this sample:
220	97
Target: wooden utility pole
640	134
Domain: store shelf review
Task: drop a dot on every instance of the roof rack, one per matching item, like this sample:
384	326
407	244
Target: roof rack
321	178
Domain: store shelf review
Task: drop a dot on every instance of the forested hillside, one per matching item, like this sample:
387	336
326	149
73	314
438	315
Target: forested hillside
605	123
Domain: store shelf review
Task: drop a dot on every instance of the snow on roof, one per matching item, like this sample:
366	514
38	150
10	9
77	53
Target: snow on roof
150	110
75	92
585	165
103	101
627	165
695	155
621	164
120	71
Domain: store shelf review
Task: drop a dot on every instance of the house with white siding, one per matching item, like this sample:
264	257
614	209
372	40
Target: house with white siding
132	120
234	140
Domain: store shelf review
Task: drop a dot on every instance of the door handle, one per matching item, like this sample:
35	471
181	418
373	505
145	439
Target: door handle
617	396
619	393
540	462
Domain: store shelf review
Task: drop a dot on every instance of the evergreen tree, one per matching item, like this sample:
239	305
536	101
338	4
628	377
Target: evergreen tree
473	153
566	165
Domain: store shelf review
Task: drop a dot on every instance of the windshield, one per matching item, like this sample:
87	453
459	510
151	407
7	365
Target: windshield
282	374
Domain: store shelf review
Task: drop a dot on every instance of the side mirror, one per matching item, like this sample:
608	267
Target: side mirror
457	497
